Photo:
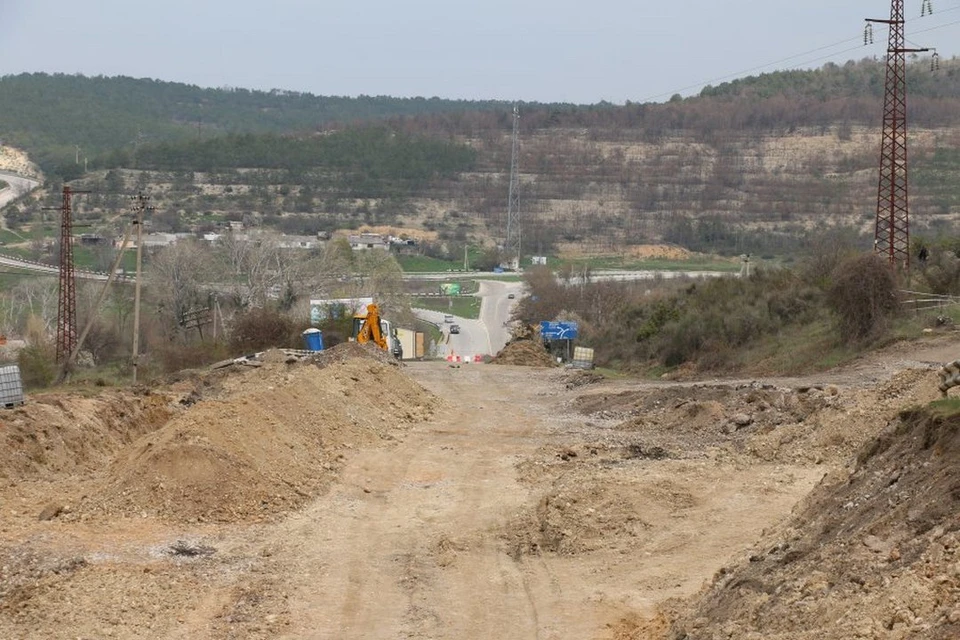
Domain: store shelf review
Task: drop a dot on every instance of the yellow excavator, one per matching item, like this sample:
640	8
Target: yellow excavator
370	327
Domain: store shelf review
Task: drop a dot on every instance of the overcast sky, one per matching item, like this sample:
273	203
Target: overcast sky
580	51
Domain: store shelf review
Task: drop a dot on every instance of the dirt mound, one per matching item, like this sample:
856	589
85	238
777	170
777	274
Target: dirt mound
872	555
820	424
55	434
524	349
642	251
270	441
525	353
581	378
348	350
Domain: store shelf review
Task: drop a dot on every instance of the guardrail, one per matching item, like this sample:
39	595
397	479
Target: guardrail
33	265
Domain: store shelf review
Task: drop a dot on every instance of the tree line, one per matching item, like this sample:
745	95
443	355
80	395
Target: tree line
361	160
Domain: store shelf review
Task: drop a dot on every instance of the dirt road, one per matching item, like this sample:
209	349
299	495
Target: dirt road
530	504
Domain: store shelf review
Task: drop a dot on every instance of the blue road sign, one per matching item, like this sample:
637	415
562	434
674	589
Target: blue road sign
558	330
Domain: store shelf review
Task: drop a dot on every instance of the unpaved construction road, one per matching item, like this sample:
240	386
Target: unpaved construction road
523	503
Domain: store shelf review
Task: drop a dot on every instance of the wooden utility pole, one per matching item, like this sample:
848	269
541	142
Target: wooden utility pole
140	206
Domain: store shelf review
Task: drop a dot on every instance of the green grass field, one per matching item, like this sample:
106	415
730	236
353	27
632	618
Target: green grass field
422	264
7	237
628	264
86	258
465	306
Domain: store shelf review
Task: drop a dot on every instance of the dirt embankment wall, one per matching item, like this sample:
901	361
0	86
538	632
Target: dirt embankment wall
872	555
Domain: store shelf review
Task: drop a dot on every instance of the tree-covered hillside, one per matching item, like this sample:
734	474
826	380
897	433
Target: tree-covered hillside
747	167
849	94
49	115
359	162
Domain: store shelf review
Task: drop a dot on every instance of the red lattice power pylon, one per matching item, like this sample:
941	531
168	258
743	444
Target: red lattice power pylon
67	309
892	238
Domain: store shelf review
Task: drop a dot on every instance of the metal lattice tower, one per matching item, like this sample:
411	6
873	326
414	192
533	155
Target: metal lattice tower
67	308
892	237
513	242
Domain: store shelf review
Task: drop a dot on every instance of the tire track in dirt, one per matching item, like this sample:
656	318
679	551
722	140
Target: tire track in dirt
407	544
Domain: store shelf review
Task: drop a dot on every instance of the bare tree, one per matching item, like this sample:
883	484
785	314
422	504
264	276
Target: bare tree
258	268
32	297
178	274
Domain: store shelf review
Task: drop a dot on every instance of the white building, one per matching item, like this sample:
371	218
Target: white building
365	241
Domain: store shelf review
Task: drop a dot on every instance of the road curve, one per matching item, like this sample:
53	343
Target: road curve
484	336
19	186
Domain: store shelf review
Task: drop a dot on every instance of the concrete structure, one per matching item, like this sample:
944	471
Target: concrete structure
365	241
299	242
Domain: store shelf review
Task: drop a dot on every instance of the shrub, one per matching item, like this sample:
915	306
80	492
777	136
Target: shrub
173	356
864	297
941	272
38	366
261	329
103	342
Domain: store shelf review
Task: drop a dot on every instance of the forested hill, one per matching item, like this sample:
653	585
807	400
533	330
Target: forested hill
852	79
850	94
49	115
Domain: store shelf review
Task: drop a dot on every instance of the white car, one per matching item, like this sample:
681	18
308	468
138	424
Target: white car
448	319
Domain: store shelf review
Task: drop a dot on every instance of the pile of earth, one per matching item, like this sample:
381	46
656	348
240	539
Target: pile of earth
818	424
56	434
348	350
271	439
870	554
524	349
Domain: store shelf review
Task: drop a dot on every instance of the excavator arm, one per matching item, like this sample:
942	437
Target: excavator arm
370	329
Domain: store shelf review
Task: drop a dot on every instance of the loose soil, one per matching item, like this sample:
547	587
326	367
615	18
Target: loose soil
526	353
525	349
347	497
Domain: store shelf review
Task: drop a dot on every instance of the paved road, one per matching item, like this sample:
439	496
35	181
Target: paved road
18	187
41	268
485	336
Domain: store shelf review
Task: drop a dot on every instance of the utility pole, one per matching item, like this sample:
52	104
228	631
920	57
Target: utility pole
68	361
67	304
513	243
140	205
892	236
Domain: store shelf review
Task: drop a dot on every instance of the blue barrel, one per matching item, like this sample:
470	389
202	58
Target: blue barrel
313	339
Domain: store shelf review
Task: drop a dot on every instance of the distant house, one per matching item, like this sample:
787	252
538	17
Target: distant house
92	239
158	239
365	241
298	242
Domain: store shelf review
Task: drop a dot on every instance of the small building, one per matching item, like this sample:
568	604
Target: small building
92	239
298	242
366	241
156	240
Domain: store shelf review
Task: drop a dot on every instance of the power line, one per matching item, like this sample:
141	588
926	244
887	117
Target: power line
739	74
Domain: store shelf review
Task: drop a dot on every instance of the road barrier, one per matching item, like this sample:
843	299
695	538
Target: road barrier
452	357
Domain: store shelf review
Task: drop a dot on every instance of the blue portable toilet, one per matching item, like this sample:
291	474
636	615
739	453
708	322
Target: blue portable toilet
313	339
